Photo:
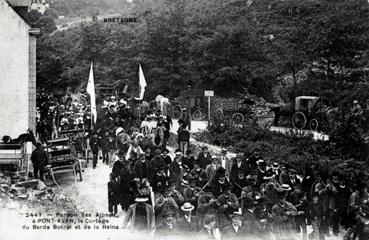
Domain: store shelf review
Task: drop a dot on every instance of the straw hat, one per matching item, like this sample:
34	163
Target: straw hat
187	207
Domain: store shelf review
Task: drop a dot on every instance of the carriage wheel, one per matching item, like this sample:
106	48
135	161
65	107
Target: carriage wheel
238	118
177	112
218	112
313	124
299	120
198	115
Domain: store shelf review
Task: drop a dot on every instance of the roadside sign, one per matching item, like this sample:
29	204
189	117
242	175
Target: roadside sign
209	93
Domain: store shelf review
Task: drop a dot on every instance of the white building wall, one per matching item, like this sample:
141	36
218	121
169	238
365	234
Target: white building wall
14	72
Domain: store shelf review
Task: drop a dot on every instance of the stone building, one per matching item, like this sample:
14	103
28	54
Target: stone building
17	70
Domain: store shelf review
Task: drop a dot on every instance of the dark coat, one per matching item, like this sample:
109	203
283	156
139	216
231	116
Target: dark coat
131	217
228	232
204	161
175	171
94	144
228	204
186	227
142	170
39	158
117	167
235	170
159	183
157	163
200	176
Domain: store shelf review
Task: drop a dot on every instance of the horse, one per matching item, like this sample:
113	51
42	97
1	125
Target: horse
163	104
21	139
283	110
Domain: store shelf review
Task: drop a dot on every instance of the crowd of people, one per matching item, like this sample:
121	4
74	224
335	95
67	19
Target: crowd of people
216	196
213	195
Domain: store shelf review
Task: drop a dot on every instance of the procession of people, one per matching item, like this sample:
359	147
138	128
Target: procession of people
213	195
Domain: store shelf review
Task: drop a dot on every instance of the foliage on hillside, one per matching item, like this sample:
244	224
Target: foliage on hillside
228	46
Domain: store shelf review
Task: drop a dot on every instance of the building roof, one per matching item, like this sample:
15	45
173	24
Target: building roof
20	3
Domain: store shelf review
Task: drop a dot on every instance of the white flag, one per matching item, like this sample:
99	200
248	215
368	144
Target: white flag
91	90
142	83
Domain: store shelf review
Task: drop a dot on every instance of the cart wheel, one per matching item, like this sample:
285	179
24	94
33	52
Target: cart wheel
299	120
218	112
177	112
197	115
313	124
238	118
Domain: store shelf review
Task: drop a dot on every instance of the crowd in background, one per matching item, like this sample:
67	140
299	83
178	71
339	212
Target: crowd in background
211	195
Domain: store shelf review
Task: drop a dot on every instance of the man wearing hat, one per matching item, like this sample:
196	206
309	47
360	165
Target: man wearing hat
253	159
238	166
219	182
276	169
118	164
168	226
183	178
189	159
228	204
292	179
283	214
186	118
141	168
188	223
94	146
235	230
204	157
127	185
39	161
183	138
261	172
191	192
269	190
165	204
157	162
209	230
225	162
241	182
140	215
212	168
175	167
199	174
206	204
167	159
159	180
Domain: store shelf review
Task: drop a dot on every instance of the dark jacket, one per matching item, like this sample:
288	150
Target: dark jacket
183	135
157	163
39	158
204	161
188	227
175	171
142	170
229	232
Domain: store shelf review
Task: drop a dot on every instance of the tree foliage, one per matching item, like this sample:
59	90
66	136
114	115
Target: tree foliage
226	45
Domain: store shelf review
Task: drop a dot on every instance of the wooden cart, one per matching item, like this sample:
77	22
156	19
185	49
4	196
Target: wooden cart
238	108
62	159
13	155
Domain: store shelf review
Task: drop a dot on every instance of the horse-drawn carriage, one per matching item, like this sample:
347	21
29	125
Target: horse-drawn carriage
193	100
307	112
239	109
78	139
62	159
